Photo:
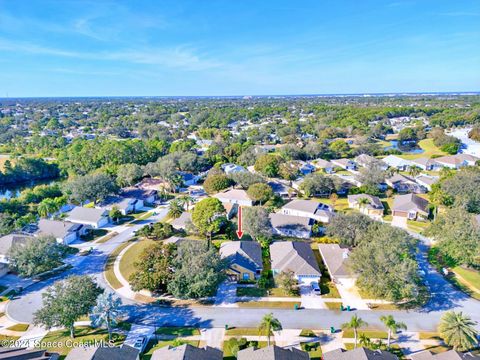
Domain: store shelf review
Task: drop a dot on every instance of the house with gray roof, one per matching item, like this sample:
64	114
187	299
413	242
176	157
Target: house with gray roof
187	352
7	241
96	218
334	257
325	165
145	196
447	355
244	259
410	206
371	205
65	232
291	226
103	353
397	162
182	221
457	161
347	164
426	164
358	354
124	205
22	353
308	208
427	181
272	352
295	256
234	196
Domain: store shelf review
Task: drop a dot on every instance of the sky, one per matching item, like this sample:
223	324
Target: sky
237	47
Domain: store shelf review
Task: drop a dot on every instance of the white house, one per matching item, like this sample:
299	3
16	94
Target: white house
308	209
426	164
324	165
232	168
64	232
347	164
397	162
96	218
426	181
457	161
291	226
124	205
234	196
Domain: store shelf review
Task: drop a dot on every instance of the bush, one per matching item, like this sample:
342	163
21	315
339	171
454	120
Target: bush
157	231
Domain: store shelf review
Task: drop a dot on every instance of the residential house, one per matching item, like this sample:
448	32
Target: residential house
397	162
64	232
187	352
457	161
291	226
7	241
244	259
182	221
232	168
124	205
272	352
426	164
145	196
281	188
359	353
96	218
364	160
309	209
324	165
403	184
234	196
152	184
22	353
103	353
347	164
297	257
188	179
372	206
446	355
426	181
411	207
334	257
304	167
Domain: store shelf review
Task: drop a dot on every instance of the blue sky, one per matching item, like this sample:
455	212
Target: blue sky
227	47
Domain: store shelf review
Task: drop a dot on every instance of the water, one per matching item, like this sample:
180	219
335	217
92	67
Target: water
405	148
13	191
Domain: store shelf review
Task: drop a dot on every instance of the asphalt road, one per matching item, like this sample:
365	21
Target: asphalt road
444	297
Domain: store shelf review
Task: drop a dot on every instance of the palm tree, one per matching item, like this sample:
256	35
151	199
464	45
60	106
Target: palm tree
47	206
458	330
363	202
175	209
392	171
354	323
392	326
186	201
268	325
414	171
365	341
106	311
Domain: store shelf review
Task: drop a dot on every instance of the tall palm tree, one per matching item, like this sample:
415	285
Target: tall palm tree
392	326
175	209
106	312
458	331
47	206
268	325
354	324
186	201
392	171
414	171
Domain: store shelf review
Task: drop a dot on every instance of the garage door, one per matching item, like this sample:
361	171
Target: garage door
307	279
399	221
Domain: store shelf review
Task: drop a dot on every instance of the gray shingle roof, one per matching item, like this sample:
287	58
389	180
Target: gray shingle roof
447	355
295	256
181	222
272	353
281	220
86	214
187	352
302	205
374	202
245	253
56	228
409	202
334	258
7	241
358	354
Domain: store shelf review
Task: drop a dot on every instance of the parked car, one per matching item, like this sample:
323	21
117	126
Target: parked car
315	288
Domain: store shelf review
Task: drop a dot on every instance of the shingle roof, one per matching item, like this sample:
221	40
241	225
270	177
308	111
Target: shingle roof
86	214
295	256
56	228
358	354
7	241
182	221
374	202
322	164
138	193
233	194
187	352
24	353
409	202
248	254
334	258
282	220
103	353
424	161
272	353
302	205
117	201
447	355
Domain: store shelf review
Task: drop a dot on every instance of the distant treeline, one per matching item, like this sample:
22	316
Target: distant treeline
28	169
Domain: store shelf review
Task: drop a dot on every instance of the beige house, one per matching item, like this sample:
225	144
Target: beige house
244	258
370	206
411	207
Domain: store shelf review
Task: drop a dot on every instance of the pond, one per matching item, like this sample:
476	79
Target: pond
406	147
13	191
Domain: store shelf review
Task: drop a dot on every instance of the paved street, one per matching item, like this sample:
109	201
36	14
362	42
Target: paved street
444	297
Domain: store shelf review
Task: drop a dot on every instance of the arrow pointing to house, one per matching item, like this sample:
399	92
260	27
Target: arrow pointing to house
239	231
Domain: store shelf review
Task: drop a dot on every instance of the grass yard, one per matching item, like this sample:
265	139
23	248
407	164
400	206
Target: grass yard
340	205
107	237
94	234
468	277
372	334
178	331
152	346
127	267
429	335
278	292
84	334
251	292
314	350
108	272
417	226
234	331
3	159
228	354
327	287
19	327
6	340
333	305
269	304
142	215
429	150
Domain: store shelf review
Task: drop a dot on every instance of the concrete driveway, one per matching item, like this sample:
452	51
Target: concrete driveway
226	294
309	299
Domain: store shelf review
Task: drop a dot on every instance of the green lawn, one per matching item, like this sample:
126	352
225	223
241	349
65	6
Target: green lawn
327	287
94	234
251	291
428	335
108	272
241	331
372	334
269	304
469	277
60	339
429	150
340	205
131	256
19	327
417	226
107	237
227	352
333	305
178	331
152	346
278	292
314	350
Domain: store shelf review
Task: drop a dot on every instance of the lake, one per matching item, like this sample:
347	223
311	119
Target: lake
405	148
